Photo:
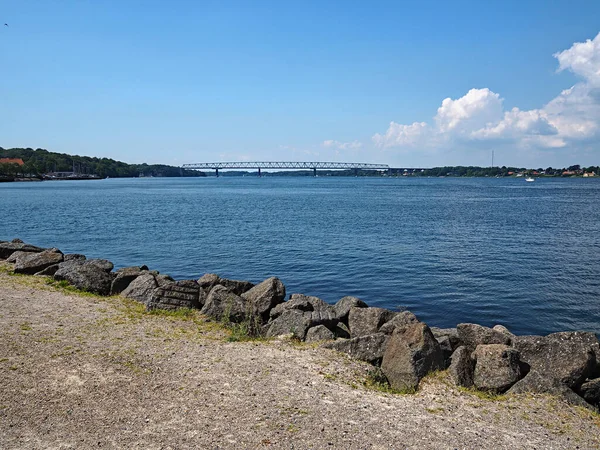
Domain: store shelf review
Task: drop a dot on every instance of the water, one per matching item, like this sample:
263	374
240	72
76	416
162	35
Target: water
488	251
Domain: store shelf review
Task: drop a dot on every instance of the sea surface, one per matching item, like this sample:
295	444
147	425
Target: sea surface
451	250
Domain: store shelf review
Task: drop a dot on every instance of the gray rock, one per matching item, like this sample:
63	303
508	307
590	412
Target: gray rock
318	334
13	258
177	294
401	319
265	296
462	367
103	264
291	321
342	307
163	279
8	248
341	331
569	357
365	321
496	367
368	348
537	383
471	335
32	263
222	304
317	312
210	280
123	278
412	352
590	391
450	333
446	347
584	338
86	277
503	329
141	288
49	271
75	257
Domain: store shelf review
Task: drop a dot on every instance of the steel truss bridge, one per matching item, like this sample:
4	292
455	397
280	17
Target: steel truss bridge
298	165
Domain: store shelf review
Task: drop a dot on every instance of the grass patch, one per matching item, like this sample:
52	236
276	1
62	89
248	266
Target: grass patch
179	313
483	395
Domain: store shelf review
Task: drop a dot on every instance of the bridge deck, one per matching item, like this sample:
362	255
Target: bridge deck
307	165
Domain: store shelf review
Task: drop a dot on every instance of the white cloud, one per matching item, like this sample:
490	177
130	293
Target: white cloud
330	143
570	118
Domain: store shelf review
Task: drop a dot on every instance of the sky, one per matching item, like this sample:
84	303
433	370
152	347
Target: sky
404	83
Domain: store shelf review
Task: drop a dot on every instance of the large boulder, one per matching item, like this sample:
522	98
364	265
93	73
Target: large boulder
544	383
291	321
450	333
177	294
265	296
314	312
318	334
13	258
365	321
210	280
343	306
75	257
368	348
86	277
471	335
222	304
32	263
496	367
569	356
8	248
141	288
123	278
590	391
401	319
412	352
462	367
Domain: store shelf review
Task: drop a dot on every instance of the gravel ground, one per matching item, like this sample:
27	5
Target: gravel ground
78	371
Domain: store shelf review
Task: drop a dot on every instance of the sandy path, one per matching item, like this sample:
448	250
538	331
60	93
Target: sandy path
84	372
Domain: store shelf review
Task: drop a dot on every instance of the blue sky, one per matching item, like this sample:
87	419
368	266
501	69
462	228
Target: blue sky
180	82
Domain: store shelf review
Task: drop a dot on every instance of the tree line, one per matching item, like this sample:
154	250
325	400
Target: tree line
40	161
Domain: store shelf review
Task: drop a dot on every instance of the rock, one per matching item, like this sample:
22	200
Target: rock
446	347
210	280
412	352
341	331
342	307
569	357
75	257
49	271
450	333
318	334
401	319
123	278
265	296
13	258
537	383
496	367
503	329
86	277
462	367
365	321
32	263
222	304
585	338
590	391
368	348
103	264
8	248
294	321
315	310
141	288
162	279
471	335
177	294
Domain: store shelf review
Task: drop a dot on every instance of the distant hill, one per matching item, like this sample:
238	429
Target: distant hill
41	161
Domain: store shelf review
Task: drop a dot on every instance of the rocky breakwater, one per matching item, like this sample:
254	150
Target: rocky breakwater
494	360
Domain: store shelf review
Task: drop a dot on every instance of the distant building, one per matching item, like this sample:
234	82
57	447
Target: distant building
18	161
589	174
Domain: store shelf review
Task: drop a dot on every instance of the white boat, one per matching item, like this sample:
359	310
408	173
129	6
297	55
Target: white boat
529	179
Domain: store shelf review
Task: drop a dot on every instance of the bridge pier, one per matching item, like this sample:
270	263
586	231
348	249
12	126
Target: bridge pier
217	172
314	171
259	175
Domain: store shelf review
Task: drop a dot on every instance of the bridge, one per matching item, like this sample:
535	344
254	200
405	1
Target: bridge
298	165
